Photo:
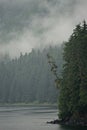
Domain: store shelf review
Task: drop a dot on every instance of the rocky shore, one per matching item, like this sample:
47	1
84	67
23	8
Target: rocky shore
69	122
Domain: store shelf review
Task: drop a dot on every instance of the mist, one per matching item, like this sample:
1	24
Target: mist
27	24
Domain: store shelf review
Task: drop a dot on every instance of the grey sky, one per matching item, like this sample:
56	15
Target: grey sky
27	24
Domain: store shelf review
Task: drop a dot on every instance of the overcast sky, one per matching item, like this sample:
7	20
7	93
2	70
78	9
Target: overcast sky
27	24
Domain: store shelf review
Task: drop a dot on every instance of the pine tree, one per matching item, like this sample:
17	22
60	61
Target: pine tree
73	91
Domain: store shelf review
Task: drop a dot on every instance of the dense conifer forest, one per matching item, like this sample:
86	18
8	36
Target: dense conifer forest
28	78
73	90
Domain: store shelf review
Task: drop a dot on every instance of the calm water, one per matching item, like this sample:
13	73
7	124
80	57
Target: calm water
30	118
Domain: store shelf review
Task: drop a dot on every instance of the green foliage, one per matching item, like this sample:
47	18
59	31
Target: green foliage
73	91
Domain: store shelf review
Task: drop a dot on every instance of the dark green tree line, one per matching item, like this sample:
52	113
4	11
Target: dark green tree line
73	90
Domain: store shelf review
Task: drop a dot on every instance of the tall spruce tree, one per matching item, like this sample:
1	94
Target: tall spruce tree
73	90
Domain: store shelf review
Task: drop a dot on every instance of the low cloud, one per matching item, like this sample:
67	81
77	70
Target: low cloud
27	24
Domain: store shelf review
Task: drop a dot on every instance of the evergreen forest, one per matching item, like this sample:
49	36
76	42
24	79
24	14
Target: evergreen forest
28	78
73	90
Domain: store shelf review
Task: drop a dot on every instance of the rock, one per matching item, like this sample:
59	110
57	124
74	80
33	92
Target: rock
54	122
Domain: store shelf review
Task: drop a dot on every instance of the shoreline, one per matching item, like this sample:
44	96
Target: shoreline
27	104
68	123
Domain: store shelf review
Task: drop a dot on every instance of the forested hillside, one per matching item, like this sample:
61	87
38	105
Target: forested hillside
28	78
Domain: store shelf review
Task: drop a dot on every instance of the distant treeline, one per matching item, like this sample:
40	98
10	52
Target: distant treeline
28	78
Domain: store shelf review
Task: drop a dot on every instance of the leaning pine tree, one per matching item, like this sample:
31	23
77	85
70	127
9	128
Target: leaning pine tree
73	89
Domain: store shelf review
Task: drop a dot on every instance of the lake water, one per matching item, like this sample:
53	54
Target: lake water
30	118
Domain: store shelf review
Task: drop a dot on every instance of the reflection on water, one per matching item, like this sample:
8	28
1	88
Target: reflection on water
30	118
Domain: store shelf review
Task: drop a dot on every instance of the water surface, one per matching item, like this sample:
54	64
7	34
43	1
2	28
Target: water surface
30	118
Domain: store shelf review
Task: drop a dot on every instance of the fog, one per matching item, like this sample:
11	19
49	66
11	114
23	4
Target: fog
27	24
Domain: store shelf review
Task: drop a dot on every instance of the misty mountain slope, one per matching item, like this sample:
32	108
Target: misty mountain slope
28	78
